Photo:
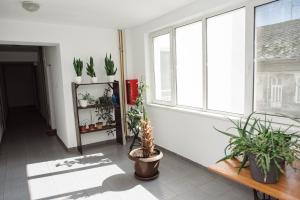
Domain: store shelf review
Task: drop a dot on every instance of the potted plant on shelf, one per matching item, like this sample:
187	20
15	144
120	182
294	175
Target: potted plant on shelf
99	124
266	149
78	66
86	99
110	68
147	157
104	107
90	71
92	126
83	127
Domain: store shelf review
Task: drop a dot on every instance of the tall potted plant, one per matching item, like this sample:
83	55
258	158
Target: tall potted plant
110	68
267	149
146	157
91	71
78	66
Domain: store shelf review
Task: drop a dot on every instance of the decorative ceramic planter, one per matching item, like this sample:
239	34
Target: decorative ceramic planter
78	79
111	78
83	103
145	168
258	175
94	79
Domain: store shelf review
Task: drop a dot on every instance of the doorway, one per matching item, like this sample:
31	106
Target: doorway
24	90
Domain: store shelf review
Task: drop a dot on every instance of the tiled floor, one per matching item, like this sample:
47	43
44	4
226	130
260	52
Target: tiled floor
35	166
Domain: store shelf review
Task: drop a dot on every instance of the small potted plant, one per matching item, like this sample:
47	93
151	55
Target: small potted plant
92	126
267	149
86	99
90	71
99	125
83	127
147	157
110	68
78	66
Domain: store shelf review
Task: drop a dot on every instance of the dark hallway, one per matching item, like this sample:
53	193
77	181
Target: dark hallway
23	85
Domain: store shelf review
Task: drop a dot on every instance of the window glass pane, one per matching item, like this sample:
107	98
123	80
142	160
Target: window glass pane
277	57
189	65
226	61
162	67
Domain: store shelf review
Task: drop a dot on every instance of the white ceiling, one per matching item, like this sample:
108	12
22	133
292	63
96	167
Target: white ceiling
100	13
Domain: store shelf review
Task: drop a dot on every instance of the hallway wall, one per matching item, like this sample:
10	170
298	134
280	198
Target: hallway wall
20	85
72	41
3	104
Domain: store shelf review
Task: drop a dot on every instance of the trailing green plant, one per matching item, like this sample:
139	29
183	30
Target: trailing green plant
257	136
90	71
78	66
88	97
135	113
104	107
109	66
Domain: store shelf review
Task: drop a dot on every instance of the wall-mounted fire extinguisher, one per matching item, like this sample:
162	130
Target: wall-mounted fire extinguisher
132	91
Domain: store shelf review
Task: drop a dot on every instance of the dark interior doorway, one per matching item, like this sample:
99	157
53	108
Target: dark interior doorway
23	86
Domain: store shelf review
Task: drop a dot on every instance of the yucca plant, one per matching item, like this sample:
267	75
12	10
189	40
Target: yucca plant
78	66
147	139
90	71
109	66
268	146
146	157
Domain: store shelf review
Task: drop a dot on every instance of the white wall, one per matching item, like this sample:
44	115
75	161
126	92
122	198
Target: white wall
71	41
188	134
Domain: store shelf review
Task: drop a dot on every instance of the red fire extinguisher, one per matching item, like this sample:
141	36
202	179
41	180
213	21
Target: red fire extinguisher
132	91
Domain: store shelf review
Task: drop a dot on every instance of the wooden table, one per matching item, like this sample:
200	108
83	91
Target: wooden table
288	187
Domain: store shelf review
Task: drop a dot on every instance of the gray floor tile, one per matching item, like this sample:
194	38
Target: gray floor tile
35	166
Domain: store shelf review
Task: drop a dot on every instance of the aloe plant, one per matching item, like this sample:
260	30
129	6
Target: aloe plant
109	66
78	66
90	71
257	136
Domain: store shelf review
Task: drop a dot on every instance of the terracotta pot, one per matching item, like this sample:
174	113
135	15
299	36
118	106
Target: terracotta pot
258	175
92	127
99	125
82	128
145	168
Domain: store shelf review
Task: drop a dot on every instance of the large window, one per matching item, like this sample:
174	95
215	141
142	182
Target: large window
277	57
162	67
179	57
226	61
238	61
189	65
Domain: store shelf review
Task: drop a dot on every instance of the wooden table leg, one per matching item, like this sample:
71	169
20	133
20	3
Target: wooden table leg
256	196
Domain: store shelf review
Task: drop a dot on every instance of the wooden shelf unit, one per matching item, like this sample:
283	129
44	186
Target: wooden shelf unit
117	112
101	129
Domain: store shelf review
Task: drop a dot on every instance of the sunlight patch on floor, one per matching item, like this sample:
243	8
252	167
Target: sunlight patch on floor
41	168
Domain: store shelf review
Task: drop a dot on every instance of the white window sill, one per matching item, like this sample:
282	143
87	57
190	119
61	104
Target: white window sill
278	122
210	114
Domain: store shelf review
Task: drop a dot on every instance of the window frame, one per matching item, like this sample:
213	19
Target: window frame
249	92
152	72
186	23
